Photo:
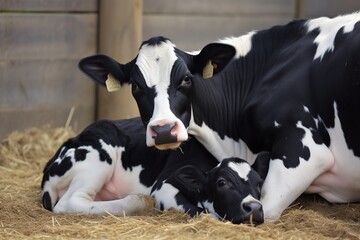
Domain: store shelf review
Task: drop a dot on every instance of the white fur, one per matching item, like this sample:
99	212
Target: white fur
155	63
166	196
242	44
242	169
220	148
329	27
210	209
290	183
341	183
78	189
249	198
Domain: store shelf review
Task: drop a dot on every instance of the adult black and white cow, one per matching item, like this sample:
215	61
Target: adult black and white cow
292	90
108	168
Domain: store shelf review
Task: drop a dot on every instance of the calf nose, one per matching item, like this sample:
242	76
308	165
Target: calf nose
253	212
163	133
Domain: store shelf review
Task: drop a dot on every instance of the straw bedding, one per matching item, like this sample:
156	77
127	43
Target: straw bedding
24	154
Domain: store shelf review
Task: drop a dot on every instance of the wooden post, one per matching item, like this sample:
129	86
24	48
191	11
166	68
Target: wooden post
120	36
299	9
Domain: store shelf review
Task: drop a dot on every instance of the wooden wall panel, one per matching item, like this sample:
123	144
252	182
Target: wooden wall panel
224	7
44	83
39	53
194	32
330	8
46	36
49	5
192	24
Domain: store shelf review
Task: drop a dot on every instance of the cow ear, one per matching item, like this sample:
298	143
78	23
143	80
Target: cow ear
261	164
191	179
213	58
98	67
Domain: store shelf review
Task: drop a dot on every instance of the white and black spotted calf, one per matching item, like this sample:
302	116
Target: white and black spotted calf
230	190
108	168
292	90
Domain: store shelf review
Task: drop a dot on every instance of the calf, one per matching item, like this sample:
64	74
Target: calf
291	90
108	168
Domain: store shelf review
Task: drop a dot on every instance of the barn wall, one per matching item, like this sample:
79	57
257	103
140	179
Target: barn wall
192	24
41	43
120	35
329	8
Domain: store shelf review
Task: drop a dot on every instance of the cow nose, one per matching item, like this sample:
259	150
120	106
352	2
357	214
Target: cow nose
163	133
253	212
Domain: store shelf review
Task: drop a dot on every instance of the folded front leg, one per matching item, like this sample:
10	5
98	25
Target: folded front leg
80	197
297	159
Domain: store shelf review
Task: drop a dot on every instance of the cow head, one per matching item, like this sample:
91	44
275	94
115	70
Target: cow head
161	77
229	191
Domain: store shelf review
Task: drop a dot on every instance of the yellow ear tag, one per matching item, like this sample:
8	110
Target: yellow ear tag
112	84
208	70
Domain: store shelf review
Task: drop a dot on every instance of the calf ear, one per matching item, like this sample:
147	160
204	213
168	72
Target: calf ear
190	179
213	58
98	67
261	164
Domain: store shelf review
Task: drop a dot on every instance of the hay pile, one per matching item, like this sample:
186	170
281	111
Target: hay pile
23	155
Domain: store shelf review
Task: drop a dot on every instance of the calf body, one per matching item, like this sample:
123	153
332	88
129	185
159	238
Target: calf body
291	90
92	173
108	168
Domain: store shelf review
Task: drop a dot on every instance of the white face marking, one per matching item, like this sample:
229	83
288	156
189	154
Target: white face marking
329	27
250	198
242	44
155	64
242	169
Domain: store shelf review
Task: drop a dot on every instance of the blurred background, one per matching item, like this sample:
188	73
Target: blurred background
42	41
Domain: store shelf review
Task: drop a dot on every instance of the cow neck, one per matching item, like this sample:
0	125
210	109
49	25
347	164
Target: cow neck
221	101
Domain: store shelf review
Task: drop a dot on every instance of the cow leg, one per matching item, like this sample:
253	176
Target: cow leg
169	197
292	170
80	197
89	178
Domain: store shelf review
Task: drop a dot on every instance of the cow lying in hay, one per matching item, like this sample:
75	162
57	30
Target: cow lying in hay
107	166
292	90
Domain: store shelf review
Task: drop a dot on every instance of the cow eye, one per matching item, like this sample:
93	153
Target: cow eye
259	186
221	182
135	87
186	82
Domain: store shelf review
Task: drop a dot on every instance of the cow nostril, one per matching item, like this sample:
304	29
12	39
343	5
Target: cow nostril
163	134
249	207
164	128
254	211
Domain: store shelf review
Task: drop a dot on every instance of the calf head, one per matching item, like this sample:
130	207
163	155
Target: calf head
229	191
161	77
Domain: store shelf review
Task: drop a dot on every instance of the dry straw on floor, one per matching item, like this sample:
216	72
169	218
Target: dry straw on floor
24	154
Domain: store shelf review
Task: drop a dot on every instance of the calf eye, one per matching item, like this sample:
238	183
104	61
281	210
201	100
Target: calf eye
221	182
134	87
